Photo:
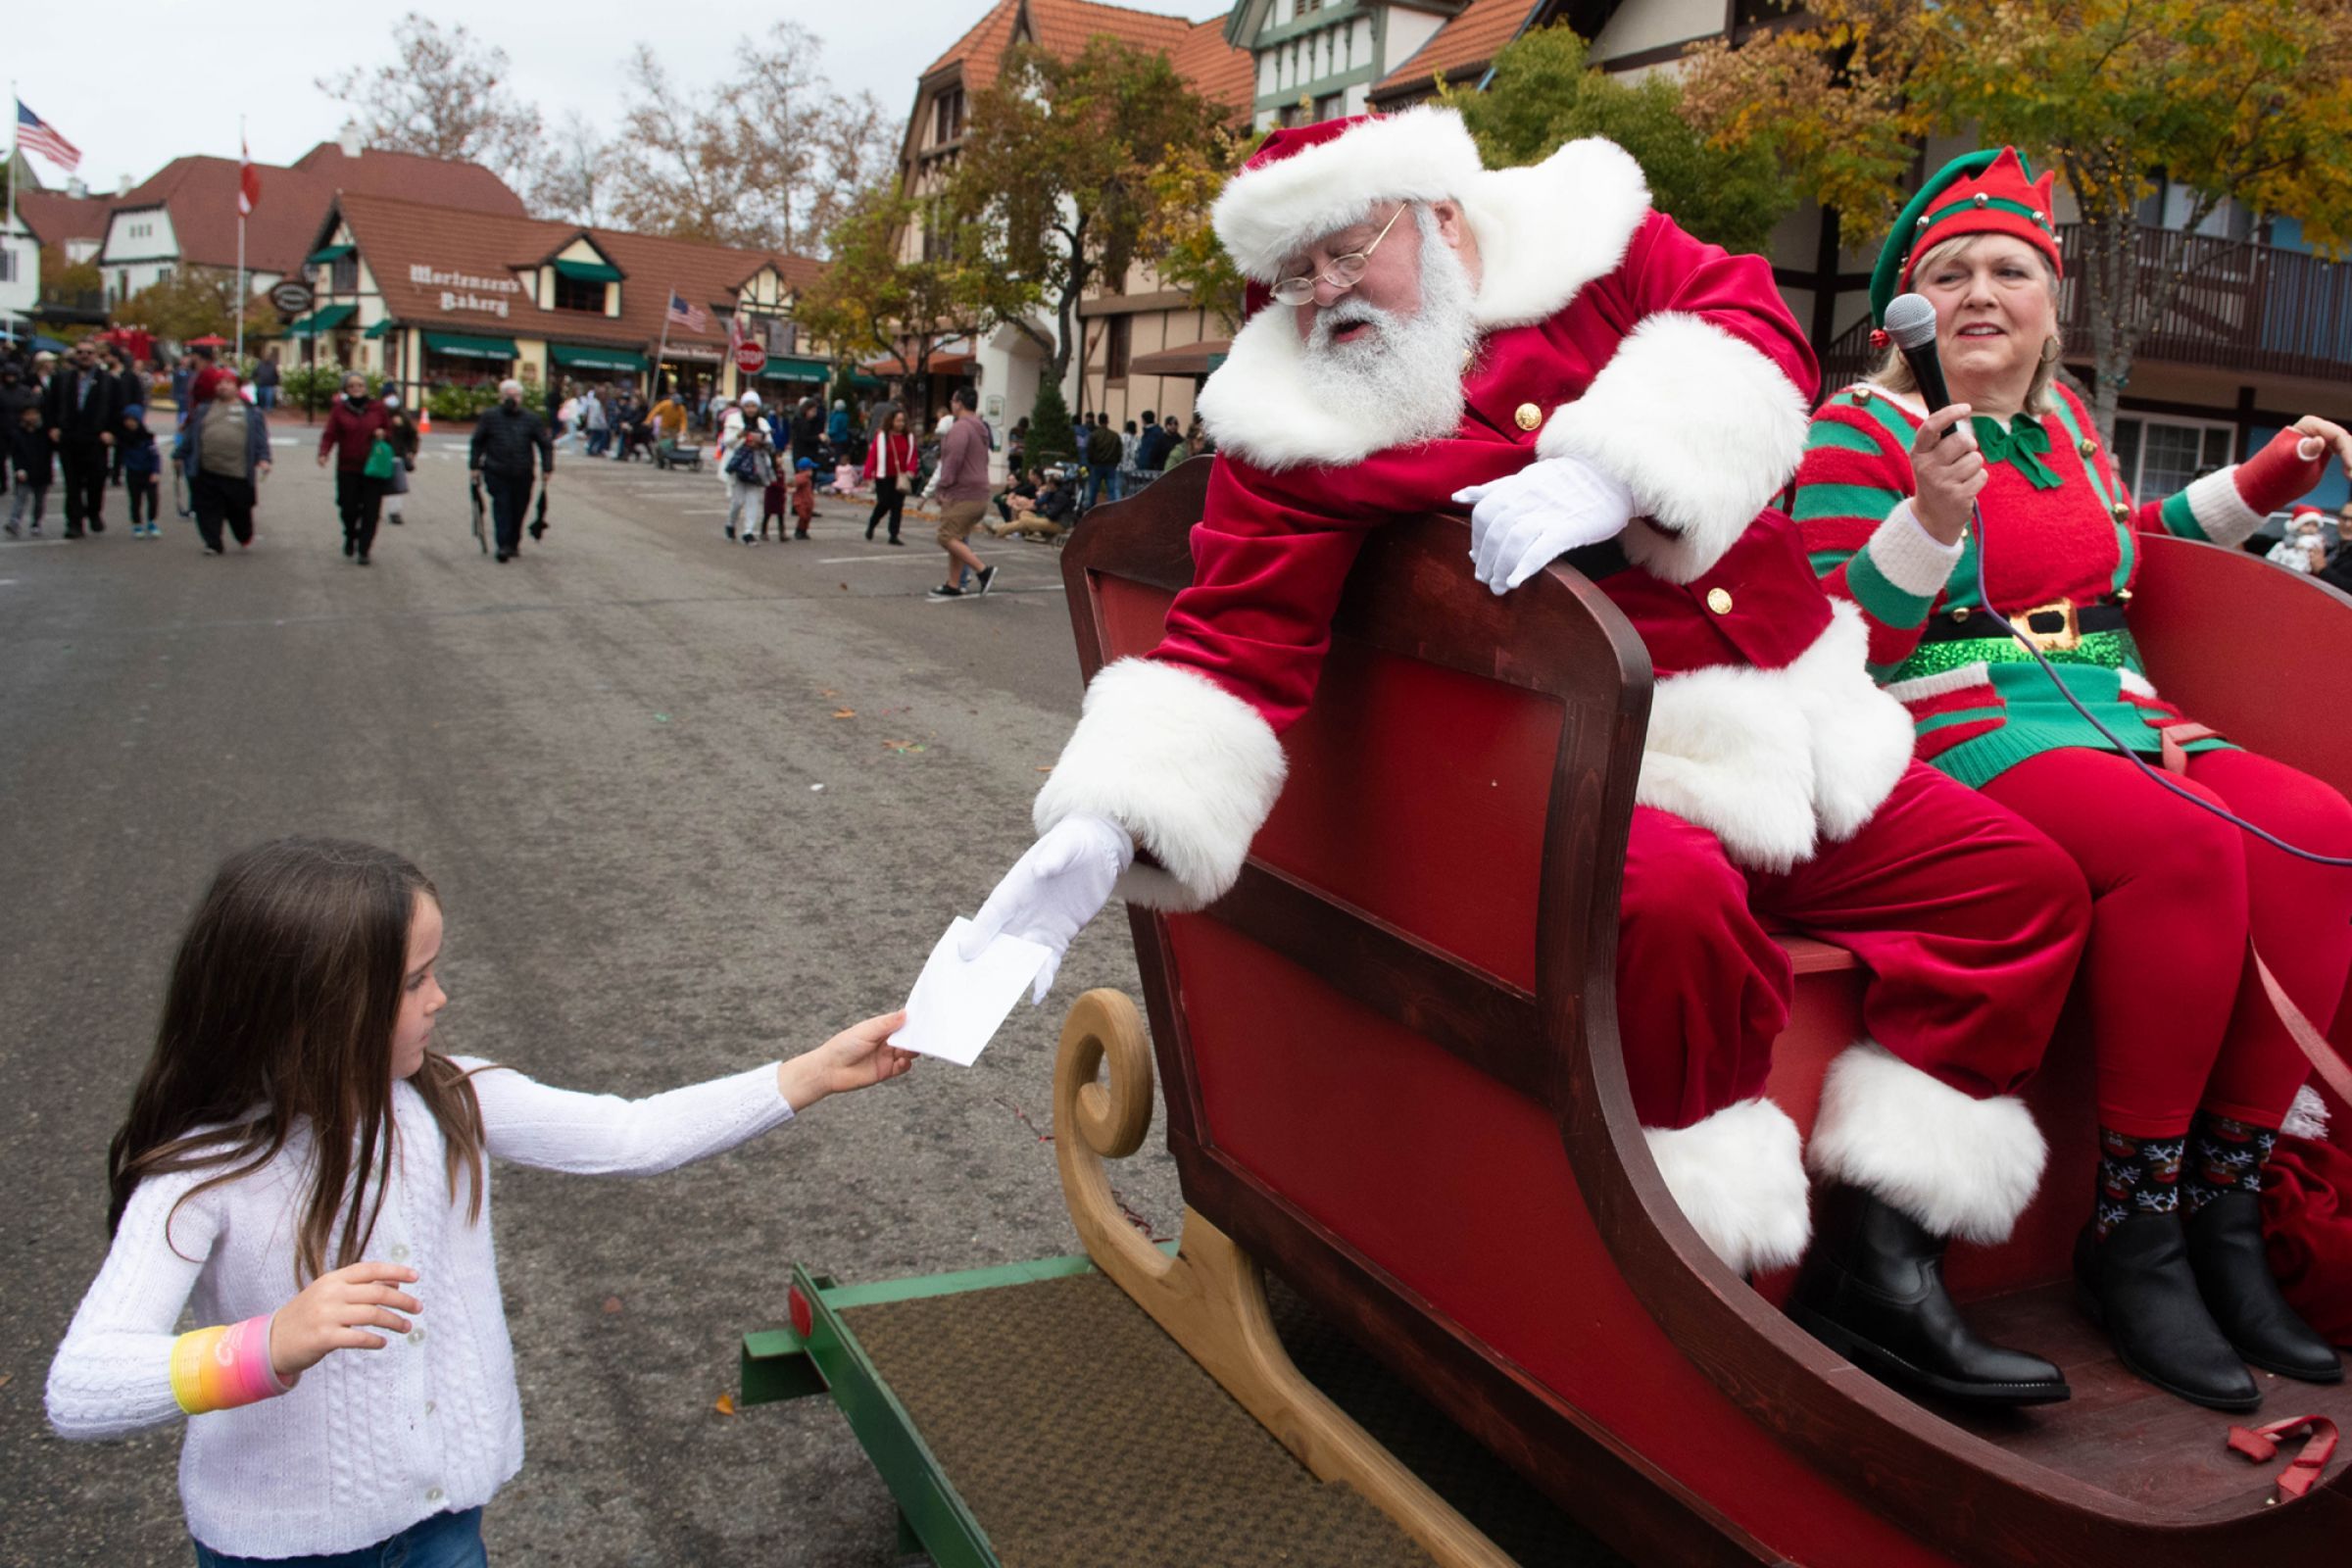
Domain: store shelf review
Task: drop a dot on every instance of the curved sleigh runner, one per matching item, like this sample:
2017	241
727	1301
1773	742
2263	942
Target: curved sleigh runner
1392	1075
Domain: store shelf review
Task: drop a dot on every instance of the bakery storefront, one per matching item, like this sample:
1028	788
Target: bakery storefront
436	299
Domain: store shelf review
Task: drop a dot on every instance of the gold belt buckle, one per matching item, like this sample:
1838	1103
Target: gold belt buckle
2064	639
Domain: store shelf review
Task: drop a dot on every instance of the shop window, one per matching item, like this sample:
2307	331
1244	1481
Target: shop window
1117	334
577	294
2157	457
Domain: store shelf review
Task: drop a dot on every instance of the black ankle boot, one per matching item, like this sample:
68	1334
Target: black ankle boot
2233	1276
2138	1287
1872	1290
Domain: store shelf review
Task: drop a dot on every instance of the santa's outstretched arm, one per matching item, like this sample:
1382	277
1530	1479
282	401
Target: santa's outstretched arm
1176	760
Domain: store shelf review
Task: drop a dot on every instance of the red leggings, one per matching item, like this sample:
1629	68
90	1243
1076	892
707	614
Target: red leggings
2176	1018
1968	924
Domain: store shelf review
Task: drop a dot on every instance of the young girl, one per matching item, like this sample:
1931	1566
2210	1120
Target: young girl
302	1162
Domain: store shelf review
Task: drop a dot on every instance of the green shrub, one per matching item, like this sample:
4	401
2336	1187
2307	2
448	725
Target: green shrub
1049	429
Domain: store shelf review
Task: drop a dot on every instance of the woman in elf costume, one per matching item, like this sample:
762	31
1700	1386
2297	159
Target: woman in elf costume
2194	1070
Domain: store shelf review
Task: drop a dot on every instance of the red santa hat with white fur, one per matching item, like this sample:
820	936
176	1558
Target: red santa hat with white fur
1308	180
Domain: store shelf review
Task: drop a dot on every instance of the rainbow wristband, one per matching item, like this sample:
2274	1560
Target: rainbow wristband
222	1368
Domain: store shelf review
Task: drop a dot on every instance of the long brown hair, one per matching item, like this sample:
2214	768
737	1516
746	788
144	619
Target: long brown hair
280	1013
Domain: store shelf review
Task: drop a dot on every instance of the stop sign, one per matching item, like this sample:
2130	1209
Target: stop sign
750	358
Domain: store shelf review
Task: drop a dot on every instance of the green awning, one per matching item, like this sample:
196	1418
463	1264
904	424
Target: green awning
567	358
379	329
796	368
470	348
322	321
588	271
330	253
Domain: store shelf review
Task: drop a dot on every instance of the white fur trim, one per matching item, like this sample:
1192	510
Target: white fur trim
2307	1117
1909	557
1772	760
1942	684
1261	405
1187	767
2137	684
1739	1179
1701	426
1547	230
1266	216
2219	509
1959	1166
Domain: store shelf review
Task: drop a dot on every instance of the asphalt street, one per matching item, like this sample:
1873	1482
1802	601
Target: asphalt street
690	806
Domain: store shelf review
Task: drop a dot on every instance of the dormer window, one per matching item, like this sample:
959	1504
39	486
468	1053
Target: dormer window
579	294
580	285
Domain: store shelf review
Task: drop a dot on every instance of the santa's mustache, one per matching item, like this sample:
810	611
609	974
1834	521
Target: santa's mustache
1338	319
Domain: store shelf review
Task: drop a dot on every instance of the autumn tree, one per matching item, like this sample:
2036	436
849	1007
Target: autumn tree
1178	234
194	301
2233	100
444	94
766	159
1545	92
1054	179
874	296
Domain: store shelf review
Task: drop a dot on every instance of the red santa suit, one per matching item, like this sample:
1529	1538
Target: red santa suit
1611	335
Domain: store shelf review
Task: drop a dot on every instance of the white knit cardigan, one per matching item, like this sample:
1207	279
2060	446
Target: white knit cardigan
369	1442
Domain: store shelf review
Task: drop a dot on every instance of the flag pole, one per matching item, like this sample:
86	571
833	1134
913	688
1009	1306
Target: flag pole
7	236
662	352
239	306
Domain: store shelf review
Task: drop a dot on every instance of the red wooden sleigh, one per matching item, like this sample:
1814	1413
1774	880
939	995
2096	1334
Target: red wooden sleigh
1392	1074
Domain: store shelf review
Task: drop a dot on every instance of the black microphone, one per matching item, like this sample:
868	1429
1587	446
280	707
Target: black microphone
1911	322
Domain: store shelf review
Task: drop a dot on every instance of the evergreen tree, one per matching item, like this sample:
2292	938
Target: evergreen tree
1049	427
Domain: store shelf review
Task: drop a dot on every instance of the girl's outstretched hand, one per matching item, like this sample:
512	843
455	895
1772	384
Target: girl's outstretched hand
335	1312
859	1055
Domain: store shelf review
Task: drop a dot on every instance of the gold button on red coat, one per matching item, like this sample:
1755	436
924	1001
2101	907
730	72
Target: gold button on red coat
1719	601
1529	415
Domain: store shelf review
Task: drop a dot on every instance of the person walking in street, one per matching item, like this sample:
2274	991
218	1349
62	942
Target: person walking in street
732	423
962	490
142	470
31	466
505	441
352	426
400	430
130	387
83	409
751	469
890	463
809	432
803	499
1102	453
594	420
224	451
264	383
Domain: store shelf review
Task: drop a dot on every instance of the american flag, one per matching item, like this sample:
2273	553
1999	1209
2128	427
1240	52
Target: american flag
37	136
691	318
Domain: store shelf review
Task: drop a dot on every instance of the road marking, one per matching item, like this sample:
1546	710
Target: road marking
891	560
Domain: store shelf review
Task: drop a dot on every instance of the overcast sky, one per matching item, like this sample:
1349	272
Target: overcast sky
134	83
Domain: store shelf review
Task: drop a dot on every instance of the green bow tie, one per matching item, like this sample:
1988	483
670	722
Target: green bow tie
2020	444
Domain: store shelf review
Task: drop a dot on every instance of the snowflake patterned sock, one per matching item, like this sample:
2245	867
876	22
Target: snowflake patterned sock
2225	1155
2137	1176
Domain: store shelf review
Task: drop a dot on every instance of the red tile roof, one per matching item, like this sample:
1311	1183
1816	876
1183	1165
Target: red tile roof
55	216
1466	44
1216	70
201	195
394	236
1062	28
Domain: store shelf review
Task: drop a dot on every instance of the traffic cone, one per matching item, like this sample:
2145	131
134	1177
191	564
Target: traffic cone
424	420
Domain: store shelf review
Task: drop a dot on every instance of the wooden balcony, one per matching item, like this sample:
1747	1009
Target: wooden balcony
2248	309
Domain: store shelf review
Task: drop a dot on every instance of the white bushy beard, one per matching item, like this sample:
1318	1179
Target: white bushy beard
1404	377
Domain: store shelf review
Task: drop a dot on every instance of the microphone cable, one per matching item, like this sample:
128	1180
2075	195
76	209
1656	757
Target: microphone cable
1984	602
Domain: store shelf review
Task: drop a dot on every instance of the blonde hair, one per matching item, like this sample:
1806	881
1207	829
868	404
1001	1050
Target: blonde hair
1894	371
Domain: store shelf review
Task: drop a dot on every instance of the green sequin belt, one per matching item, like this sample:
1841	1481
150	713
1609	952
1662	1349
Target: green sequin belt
2101	650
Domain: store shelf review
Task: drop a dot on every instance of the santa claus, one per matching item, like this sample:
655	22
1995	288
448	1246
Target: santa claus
1540	347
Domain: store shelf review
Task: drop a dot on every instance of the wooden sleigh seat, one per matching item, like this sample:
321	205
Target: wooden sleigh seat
1391	1073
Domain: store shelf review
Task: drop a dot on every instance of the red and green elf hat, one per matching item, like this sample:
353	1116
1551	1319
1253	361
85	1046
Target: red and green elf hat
1983	192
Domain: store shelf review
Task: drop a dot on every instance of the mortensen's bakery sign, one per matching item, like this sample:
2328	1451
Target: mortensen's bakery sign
463	291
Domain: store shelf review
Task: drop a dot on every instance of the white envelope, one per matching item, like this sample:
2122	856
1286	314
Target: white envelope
956	1007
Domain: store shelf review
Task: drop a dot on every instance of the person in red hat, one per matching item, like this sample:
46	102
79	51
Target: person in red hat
1541	348
2305	546
2195	1070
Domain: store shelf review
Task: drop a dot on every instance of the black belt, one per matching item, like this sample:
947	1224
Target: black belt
1961	623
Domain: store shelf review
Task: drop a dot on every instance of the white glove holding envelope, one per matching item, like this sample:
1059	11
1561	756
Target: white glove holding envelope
1053	890
1521	523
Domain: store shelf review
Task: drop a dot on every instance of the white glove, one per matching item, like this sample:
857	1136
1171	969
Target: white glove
1053	891
1522	523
